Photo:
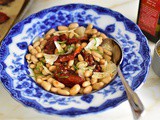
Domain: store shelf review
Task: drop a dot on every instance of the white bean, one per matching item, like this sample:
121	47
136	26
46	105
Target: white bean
81	90
75	89
98	85
103	35
88	31
96	58
39	55
54	90
88	79
44	72
30	47
35	44
39	81
32	66
77	45
107	52
94	80
43	43
67	88
94	53
107	57
73	25
50	32
94	31
100	49
86	83
70	63
47	36
34	59
107	79
63	92
33	51
38	49
80	58
46	85
41	39
88	73
102	61
58	84
52	68
90	26
84	44
28	56
48	65
87	90
71	34
63	45
62	28
50	80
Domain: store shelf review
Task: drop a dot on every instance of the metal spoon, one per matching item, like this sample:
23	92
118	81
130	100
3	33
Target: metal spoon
134	101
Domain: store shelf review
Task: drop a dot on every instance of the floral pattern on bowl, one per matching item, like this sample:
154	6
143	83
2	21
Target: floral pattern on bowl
14	68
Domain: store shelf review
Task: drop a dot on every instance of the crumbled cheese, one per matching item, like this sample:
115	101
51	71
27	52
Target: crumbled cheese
93	44
50	58
46	70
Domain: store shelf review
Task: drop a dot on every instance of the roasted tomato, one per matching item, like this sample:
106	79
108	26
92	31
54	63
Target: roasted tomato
88	58
54	38
65	58
3	17
68	77
63	37
75	40
49	47
72	40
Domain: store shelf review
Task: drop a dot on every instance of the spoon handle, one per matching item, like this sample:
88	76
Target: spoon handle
134	101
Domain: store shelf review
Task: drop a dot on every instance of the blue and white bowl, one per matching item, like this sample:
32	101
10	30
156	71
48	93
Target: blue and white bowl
14	68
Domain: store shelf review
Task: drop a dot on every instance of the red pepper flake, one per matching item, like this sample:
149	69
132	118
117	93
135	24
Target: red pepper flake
3	17
78	50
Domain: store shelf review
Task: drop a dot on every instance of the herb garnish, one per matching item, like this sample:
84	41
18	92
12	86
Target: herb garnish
75	67
63	76
61	42
39	65
60	53
95	42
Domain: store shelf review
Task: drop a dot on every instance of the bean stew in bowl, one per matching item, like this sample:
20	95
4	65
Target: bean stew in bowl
70	70
71	60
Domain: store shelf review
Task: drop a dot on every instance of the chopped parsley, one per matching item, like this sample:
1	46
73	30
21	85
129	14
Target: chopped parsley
43	61
39	65
60	53
75	67
95	42
63	76
61	42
